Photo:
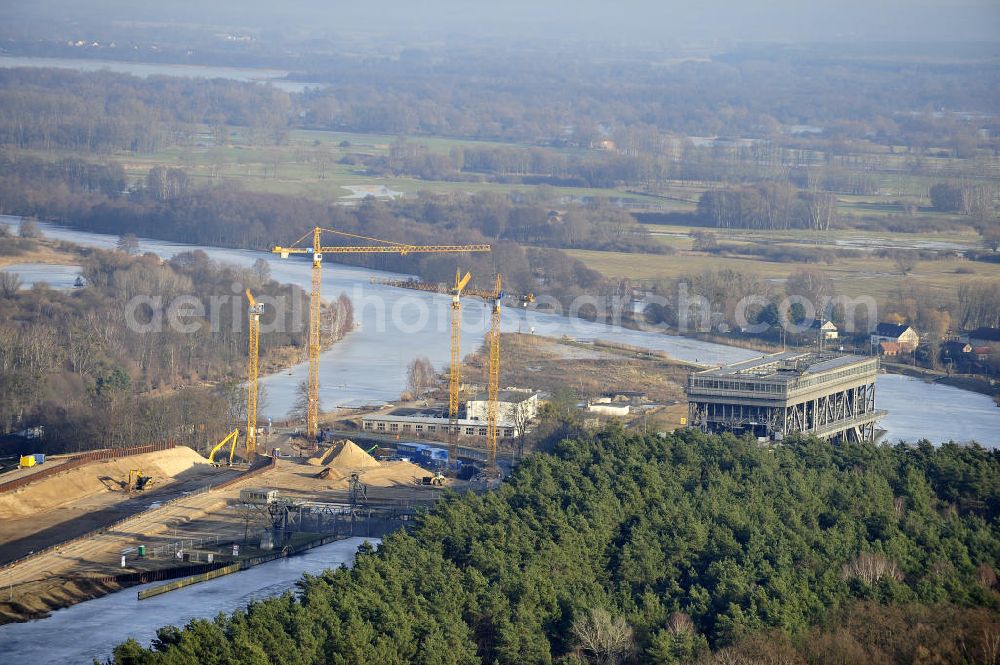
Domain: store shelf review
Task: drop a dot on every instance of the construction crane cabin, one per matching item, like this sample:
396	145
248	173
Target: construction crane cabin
317	250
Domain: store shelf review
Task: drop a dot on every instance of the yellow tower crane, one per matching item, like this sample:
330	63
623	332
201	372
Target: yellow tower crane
455	378
493	337
493	386
455	369
317	250
254	312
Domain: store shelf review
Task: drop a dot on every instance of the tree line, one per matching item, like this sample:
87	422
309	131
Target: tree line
683	548
101	112
747	93
167	206
638	105
768	206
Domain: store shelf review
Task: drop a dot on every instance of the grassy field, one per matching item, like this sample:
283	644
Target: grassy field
42	251
854	277
309	165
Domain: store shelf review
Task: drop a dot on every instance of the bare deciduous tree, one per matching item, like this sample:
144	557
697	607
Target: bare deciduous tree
261	270
128	244
991	237
29	229
680	623
820	209
301	405
10	283
420	376
603	638
811	284
871	568
521	416
979	303
905	261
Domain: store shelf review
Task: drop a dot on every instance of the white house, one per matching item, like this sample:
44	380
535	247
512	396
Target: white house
511	403
826	329
904	335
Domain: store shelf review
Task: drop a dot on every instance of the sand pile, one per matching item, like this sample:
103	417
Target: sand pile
394	473
348	456
96	478
323	458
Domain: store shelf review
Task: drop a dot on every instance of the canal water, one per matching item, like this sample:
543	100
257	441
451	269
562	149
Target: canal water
275	77
396	326
91	629
56	276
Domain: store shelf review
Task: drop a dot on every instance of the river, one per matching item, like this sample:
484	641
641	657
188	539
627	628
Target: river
91	629
56	276
396	326
275	77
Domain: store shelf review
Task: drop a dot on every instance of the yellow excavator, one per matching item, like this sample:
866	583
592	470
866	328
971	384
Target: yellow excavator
231	439
137	481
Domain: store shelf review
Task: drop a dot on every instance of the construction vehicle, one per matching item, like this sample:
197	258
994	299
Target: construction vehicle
231	439
137	481
254	312
317	250
437	480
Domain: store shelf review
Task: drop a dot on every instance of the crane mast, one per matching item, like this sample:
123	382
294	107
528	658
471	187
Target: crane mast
455	378
317	250
254	313
493	390
315	306
455	369
493	298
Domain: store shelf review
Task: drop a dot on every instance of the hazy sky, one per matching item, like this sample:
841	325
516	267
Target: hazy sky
620	21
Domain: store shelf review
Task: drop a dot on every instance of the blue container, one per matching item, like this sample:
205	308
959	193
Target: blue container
39	458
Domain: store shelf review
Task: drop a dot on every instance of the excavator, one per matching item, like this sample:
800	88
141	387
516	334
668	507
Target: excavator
137	481
231	439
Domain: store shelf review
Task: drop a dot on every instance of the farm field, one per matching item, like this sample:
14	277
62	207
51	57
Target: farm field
854	277
309	164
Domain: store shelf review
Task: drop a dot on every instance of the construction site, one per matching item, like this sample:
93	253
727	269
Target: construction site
80	526
80	531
